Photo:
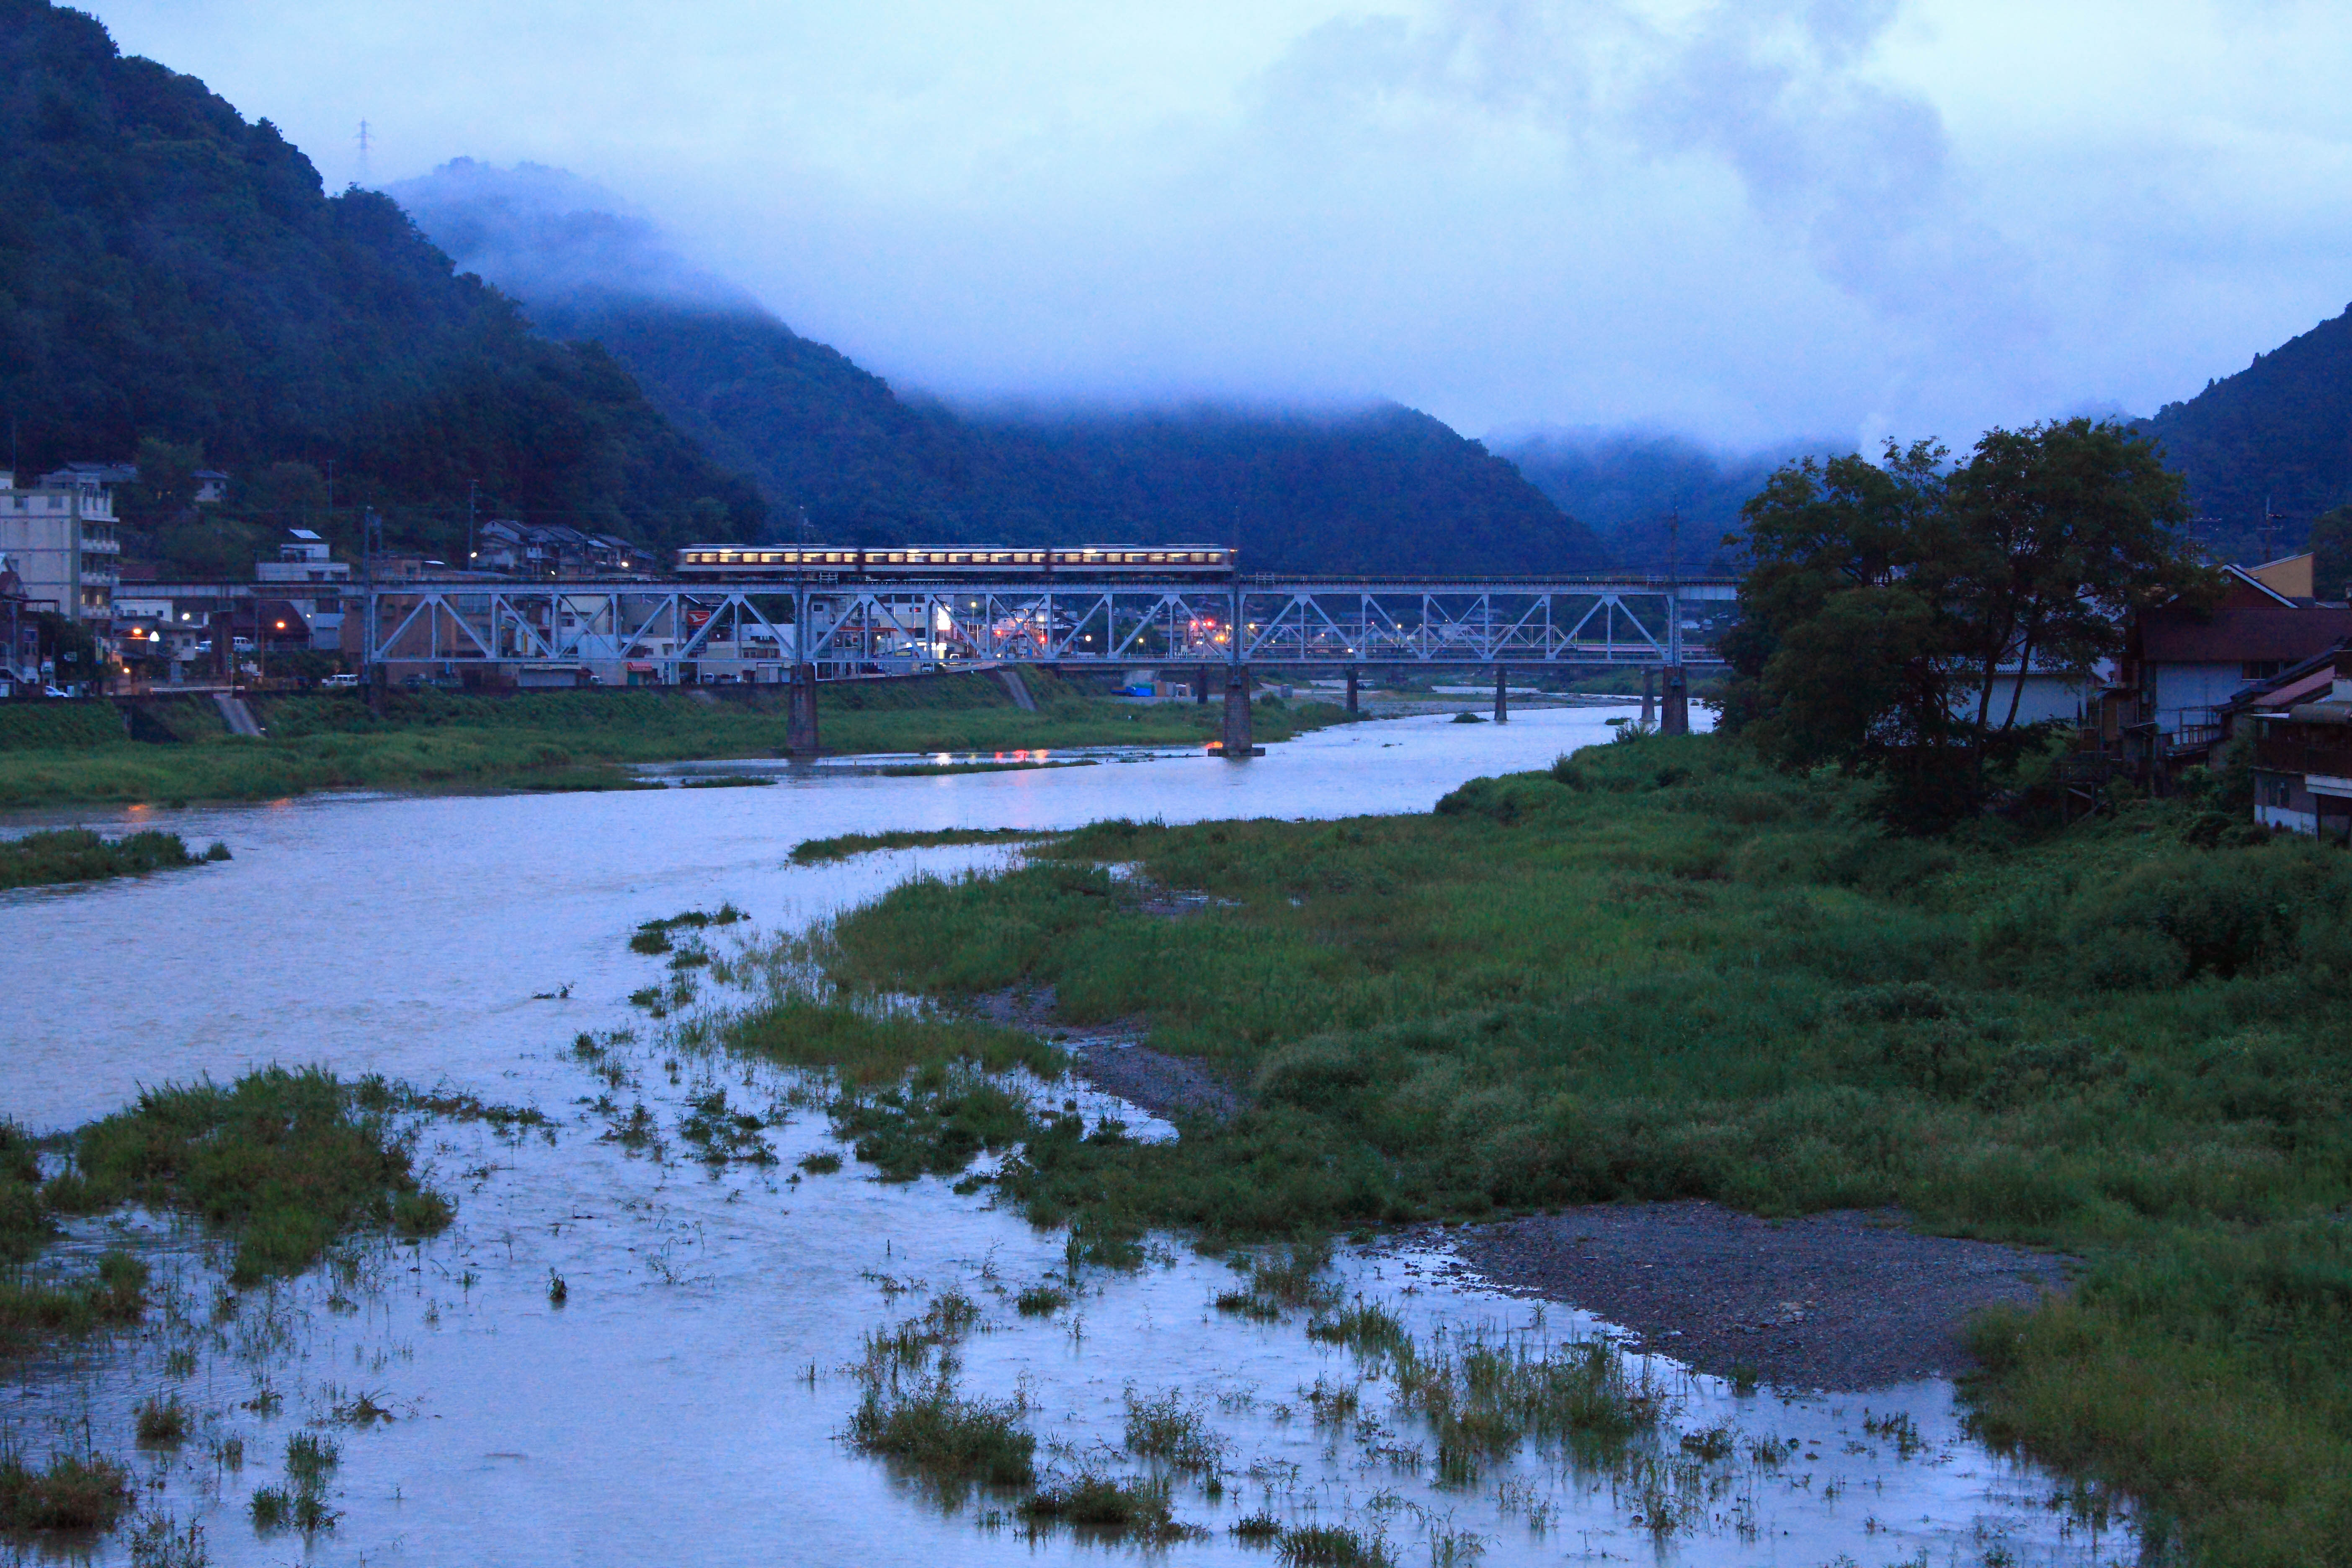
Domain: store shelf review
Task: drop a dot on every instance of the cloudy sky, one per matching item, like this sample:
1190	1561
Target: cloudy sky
1744	221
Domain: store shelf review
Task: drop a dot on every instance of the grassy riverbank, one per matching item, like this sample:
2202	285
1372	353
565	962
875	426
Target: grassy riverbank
77	753
1660	972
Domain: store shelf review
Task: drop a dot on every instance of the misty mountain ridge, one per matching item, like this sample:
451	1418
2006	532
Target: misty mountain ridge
1657	498
1375	488
170	271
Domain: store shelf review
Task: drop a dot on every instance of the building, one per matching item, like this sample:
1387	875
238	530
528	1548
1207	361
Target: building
212	486
2303	756
61	541
303	557
2183	666
20	632
551	550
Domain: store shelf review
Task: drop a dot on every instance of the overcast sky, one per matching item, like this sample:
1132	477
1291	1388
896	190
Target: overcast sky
1744	221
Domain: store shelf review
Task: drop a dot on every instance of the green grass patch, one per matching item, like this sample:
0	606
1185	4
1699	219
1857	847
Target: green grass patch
77	854
286	1161
1660	970
820	851
433	740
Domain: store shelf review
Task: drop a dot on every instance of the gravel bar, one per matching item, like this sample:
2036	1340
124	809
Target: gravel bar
1843	1300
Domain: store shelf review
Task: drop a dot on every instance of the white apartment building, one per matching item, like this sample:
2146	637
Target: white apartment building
60	539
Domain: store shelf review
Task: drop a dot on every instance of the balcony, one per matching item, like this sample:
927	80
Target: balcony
2293	754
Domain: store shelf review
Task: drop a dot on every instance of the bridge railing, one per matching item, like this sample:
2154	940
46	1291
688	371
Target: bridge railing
756	630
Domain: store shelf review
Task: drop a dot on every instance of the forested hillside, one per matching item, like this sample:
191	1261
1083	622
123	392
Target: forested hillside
2278	431
170	272
1653	499
1383	489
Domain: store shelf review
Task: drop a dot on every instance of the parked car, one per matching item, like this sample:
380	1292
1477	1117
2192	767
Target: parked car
342	682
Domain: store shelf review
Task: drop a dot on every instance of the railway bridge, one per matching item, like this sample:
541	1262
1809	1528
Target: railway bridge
814	629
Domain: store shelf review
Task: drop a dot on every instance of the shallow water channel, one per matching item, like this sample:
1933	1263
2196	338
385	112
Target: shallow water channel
684	1400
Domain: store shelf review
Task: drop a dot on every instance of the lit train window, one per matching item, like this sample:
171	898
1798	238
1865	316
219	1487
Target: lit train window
1157	558
898	558
770	558
832	557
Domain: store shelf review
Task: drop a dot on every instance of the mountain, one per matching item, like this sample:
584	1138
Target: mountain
169	272
1380	489
1653	499
2278	432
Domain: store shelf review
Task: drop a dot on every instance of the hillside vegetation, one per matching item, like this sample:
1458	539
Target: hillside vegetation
2272	435
169	271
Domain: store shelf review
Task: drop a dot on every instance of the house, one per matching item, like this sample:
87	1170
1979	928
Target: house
60	539
303	557
2183	666
91	476
551	550
2303	755
212	486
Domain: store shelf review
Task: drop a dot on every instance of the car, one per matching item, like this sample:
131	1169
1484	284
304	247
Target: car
55	691
342	682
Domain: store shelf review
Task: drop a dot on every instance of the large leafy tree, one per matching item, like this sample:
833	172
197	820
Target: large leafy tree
1893	609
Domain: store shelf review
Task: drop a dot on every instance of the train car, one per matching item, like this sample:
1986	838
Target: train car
948	562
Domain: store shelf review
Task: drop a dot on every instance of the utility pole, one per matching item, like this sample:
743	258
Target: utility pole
364	153
469	525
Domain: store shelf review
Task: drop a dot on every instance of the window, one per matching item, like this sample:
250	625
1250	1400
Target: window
2260	668
2276	790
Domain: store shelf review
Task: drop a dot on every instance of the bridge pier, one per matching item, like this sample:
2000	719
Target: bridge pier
1649	703
1237	740
1200	687
1676	719
800	725
1502	696
1352	707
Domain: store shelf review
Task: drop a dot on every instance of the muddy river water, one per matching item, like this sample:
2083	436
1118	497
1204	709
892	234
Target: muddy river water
685	1400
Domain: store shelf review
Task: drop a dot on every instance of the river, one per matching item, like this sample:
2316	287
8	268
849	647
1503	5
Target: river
684	1403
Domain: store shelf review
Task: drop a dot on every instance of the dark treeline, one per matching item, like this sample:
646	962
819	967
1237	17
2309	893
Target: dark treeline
170	272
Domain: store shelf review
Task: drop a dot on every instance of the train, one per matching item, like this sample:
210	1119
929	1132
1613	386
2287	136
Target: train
948	563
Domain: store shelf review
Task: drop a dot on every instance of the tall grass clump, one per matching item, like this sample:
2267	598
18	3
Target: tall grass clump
285	1160
79	1492
1114	1507
77	854
949	1439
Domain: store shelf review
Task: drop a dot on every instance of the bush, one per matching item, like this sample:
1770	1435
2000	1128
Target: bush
2226	913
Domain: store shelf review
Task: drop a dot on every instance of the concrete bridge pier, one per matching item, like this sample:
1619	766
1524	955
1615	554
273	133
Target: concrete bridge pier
1675	719
1502	695
1352	707
1200	687
1649	703
800	724
1236	738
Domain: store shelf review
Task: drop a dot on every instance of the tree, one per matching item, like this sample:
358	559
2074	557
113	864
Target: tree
2055	533
1893	609
2331	542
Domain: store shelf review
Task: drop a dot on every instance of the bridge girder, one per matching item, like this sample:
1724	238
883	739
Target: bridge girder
854	628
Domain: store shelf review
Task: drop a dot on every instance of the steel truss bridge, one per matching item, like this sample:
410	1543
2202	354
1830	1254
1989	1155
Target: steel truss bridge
669	631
